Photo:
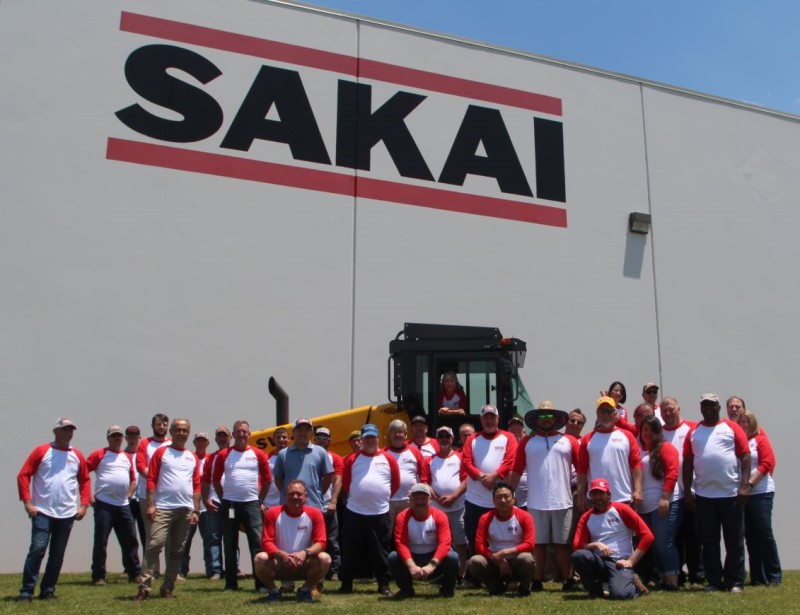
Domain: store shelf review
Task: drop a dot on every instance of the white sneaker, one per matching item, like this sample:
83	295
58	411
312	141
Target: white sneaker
737	590
180	577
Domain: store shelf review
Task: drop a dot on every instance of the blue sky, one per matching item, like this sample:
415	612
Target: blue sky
746	50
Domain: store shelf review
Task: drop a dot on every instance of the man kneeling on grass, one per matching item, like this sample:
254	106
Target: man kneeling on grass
293	538
603	546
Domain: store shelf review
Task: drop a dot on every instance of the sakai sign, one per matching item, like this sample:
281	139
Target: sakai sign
277	108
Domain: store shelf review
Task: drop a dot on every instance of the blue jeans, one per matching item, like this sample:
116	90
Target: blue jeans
120	519
215	530
765	565
205	535
45	530
448	569
249	515
595	570
724	513
664	530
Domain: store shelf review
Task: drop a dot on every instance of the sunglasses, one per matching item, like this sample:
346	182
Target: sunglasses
443	436
651	391
548	415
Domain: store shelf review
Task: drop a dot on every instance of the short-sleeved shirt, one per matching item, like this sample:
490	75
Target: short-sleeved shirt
114	473
370	481
444	475
53	478
309	465
282	531
174	477
245	473
611	455
549	460
409	460
716	450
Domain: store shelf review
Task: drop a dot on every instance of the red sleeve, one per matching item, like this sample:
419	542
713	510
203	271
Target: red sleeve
687	443
466	458
635	523
264	473
196	475
669	459
84	483
155	468
576	447
425	471
482	535
583	455
582	537
319	533
462	475
94	459
268	531
28	469
395	470
519	457
401	535
766	456
420	459
219	465
338	464
634	457
206	477
740	441
623	424
141	455
442	534
133	465
347	472
508	458
528	531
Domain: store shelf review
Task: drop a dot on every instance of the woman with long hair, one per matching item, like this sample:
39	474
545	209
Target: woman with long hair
765	565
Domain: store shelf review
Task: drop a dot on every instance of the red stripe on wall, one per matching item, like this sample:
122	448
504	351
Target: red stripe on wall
326	60
181	159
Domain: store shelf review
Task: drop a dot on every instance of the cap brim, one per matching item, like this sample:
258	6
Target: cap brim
560	418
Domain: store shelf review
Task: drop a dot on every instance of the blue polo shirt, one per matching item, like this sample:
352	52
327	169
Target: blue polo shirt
309	465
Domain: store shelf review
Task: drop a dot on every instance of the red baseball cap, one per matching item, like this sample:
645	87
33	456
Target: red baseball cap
599	484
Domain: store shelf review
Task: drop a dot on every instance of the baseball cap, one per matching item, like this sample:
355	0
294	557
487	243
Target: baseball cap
64	422
131	430
323	431
709	397
489	409
299	422
199	435
606	401
444	429
353	434
420	488
369	429
114	429
419	419
649	385
222	429
600	484
516	419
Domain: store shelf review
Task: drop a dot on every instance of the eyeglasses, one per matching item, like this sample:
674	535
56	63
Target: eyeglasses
322	437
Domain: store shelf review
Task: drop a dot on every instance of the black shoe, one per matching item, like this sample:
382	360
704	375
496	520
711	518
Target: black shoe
403	594
497	589
570	585
346	588
596	591
536	586
447	592
47	596
24	598
383	589
523	591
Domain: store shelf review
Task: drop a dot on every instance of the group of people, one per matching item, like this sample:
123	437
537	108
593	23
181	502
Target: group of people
621	508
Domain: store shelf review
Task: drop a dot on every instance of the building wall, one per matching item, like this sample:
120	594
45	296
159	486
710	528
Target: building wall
131	289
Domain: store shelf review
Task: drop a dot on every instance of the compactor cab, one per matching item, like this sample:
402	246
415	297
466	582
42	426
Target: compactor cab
486	364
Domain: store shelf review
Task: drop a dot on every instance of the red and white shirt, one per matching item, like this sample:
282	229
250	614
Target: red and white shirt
274	494
409	460
174	477
207	475
614	528
144	453
548	460
418	536
370	481
458	400
429	449
611	455
53	478
282	531
762	458
338	467
676	436
486	454
245	472
652	488
444	475
495	534
114	473
716	450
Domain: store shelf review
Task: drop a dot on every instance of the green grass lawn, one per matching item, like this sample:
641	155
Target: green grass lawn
197	595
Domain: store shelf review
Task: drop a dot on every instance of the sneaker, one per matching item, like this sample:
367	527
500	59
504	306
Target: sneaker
141	596
536	586
736	589
180	577
262	590
711	588
447	592
383	589
99	583
570	585
403	594
304	595
214	577
274	595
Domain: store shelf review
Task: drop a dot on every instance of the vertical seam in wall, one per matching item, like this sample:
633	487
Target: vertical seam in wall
652	237
355	241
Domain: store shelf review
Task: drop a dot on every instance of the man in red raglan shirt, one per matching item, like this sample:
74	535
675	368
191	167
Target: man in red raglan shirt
115	481
504	545
50	483
603	547
144	453
173	503
293	545
422	542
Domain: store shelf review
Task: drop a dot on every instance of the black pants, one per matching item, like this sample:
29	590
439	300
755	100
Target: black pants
366	543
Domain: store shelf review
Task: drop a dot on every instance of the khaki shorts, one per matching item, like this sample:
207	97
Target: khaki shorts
458	536
552	526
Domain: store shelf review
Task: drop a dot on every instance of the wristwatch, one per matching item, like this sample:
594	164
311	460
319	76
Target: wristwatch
308	553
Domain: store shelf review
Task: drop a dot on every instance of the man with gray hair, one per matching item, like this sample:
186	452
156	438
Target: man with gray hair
409	459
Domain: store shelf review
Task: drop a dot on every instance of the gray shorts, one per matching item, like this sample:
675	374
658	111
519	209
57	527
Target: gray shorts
457	533
552	526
